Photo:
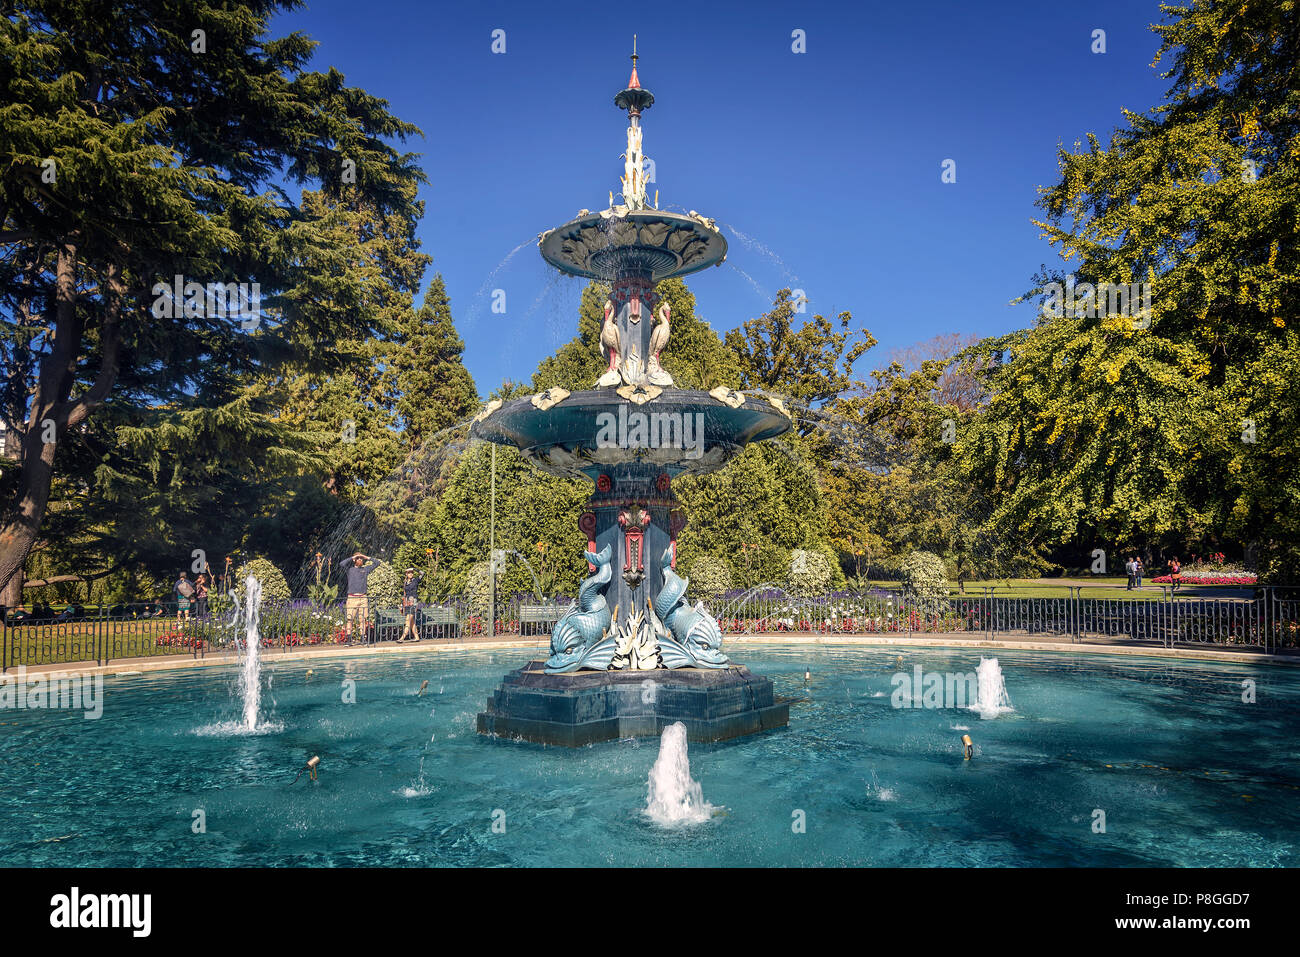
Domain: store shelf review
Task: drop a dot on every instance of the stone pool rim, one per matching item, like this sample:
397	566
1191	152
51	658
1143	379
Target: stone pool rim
137	667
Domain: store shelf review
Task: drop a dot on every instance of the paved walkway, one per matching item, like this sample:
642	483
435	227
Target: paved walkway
1008	640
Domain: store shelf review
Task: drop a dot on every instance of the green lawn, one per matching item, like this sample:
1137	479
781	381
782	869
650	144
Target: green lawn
80	641
1110	587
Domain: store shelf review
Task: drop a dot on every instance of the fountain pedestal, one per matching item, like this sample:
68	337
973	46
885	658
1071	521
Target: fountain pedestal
586	707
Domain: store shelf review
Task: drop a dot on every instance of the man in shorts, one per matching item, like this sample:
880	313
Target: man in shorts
357	570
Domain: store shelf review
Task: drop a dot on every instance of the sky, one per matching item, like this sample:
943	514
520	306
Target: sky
822	168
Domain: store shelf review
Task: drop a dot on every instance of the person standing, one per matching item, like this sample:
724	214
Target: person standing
184	592
1175	572
1138	569
410	601
357	570
1130	569
201	597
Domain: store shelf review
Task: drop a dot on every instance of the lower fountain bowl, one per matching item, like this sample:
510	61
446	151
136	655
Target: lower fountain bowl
573	710
579	435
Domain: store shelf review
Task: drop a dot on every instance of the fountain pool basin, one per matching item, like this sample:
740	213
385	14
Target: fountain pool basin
1186	773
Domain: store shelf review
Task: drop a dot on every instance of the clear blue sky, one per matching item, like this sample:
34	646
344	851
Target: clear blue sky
827	163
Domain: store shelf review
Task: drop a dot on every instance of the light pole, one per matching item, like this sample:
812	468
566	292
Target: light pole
492	550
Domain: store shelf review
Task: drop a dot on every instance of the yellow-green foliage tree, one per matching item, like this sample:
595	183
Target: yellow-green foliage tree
1178	427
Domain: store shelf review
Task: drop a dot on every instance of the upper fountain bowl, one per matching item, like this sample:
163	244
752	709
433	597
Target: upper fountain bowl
582	434
620	240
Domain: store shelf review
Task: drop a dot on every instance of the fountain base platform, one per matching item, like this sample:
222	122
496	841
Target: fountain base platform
585	707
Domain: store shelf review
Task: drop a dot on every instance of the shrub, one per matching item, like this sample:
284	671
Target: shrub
890	567
709	576
384	586
810	572
274	586
750	564
838	578
478	587
925	580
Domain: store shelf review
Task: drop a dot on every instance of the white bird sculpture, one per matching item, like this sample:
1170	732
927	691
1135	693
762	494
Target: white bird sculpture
610	347
658	340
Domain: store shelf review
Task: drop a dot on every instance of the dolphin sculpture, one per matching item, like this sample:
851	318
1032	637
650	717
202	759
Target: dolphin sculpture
696	637
576	640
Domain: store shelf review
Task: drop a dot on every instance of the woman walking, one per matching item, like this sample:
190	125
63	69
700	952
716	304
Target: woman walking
409	604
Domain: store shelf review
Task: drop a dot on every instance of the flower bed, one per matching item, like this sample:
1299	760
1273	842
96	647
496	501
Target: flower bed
1205	579
178	639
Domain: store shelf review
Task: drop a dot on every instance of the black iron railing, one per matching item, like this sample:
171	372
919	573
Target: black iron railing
1265	618
150	629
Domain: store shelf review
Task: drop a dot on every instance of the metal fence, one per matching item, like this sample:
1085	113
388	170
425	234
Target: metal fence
1264	619
149	629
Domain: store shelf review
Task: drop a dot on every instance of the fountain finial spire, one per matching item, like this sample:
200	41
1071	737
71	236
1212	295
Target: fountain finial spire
634	99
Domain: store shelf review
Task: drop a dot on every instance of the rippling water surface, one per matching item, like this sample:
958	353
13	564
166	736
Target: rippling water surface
1185	771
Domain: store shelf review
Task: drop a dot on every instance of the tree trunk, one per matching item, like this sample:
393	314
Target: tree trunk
11	596
53	412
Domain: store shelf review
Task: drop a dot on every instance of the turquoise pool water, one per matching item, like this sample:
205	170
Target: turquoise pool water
1186	773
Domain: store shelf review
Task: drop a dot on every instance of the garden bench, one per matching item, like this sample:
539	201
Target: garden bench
388	624
437	622
538	619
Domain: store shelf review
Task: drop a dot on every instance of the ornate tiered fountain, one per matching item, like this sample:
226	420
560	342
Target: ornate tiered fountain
632	656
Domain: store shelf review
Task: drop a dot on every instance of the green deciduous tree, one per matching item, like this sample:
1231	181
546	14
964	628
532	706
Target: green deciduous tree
811	364
1107	425
754	512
